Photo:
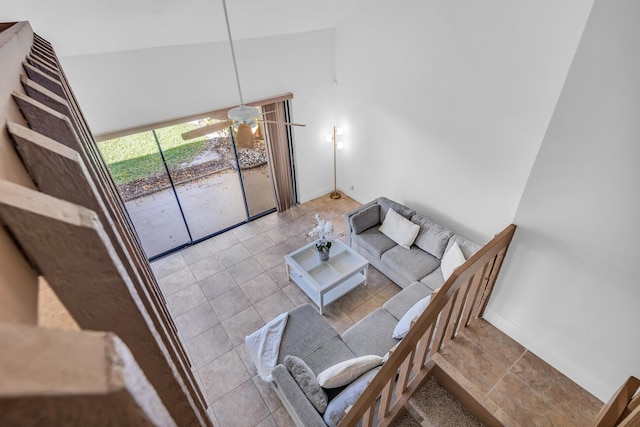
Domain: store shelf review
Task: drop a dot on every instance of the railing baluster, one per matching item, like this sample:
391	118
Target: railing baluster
492	280
443	324
43	67
476	285
463	297
367	420
421	352
385	400
403	378
477	305
459	304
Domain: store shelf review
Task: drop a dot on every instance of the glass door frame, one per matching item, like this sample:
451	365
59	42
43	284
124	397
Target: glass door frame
248	216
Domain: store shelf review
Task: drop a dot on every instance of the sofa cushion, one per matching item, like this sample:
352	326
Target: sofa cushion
374	242
366	218
386	204
339	404
399	229
307	382
403	301
330	353
433	280
432	237
467	247
346	371
413	264
412	314
306	331
301	410
451	260
372	335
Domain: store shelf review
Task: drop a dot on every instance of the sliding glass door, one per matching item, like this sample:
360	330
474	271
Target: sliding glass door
205	182
178	192
138	169
253	165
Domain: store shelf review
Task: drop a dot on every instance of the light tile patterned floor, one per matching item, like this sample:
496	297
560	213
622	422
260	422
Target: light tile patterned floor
222	289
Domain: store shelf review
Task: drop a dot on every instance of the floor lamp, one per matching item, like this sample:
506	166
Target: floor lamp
337	145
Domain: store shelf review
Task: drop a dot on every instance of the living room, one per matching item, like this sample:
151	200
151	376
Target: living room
422	87
477	115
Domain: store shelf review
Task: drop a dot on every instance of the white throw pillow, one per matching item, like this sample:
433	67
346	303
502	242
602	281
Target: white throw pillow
451	260
413	313
345	372
399	229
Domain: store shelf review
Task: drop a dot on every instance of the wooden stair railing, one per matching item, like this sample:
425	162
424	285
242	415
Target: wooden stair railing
462	298
624	407
63	227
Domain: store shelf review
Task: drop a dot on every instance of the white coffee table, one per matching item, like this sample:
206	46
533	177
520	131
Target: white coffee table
326	281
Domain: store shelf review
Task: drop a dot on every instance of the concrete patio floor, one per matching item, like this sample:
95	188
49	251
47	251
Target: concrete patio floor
210	204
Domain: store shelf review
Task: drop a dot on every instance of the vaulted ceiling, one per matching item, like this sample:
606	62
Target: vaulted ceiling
81	27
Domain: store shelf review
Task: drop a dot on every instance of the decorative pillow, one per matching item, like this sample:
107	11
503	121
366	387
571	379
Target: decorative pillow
366	218
451	260
347	397
399	229
413	313
386	205
307	381
344	372
432	238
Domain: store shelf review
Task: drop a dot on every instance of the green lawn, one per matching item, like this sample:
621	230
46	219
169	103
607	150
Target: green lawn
136	156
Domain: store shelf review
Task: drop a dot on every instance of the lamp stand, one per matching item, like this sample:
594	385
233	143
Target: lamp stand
335	194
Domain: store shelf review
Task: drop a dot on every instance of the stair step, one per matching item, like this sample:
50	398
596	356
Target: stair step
406	420
433	406
497	378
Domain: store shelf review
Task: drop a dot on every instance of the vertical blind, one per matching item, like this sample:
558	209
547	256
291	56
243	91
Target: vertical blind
277	146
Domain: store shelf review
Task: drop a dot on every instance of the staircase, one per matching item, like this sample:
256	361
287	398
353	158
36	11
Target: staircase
501	382
434	406
496	379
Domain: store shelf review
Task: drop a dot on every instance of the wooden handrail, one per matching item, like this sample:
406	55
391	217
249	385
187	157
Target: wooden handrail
462	298
624	407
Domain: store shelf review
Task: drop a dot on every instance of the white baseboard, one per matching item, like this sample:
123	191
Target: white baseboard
306	197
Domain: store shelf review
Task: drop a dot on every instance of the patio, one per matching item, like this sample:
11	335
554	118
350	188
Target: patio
209	204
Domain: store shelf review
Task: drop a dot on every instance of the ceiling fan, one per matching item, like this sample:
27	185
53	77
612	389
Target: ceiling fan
242	117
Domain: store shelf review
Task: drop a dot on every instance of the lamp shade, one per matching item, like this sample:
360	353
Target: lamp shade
244	136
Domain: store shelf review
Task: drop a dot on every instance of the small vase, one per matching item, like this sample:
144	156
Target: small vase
323	256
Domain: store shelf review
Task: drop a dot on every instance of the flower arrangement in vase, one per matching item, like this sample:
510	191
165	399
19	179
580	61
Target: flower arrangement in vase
324	230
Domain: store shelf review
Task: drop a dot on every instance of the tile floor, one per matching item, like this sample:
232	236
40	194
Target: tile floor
222	289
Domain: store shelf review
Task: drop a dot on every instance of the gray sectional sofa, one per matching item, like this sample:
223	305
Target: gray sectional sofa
311	338
420	263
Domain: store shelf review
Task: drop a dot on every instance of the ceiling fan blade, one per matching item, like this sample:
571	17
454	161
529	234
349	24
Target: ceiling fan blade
282	123
220	116
204	130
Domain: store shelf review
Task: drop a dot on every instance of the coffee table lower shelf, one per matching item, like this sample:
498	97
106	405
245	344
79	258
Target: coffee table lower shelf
324	297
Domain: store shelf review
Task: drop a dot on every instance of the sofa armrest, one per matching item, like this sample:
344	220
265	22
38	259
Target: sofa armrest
347	220
294	400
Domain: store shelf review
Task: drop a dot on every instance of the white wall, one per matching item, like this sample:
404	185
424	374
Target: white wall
446	102
126	89
570	289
